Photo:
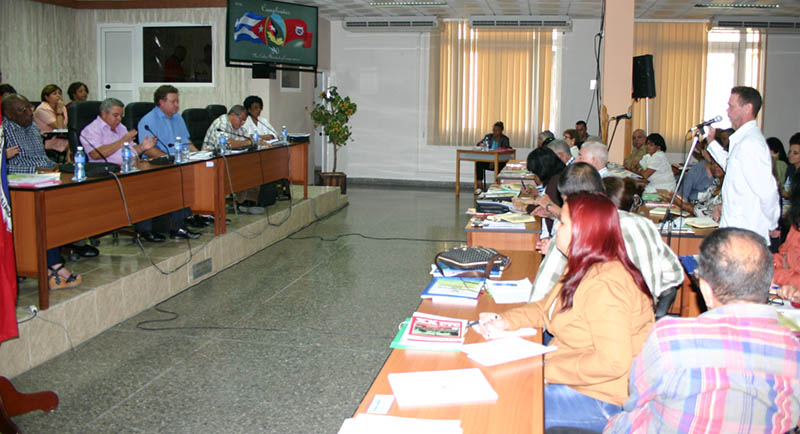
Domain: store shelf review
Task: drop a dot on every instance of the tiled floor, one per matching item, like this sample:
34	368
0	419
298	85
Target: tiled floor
287	341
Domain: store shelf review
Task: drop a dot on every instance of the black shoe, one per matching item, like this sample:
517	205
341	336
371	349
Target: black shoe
153	237
196	221
183	233
86	251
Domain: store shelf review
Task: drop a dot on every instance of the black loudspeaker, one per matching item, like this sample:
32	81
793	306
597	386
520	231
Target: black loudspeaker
263	70
644	77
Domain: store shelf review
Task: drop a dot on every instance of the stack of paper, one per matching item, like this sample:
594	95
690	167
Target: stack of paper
432	388
662	211
495	352
487	224
509	291
430	332
34	180
371	424
702	222
459	290
512	217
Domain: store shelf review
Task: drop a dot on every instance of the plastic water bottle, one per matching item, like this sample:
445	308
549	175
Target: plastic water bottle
223	144
126	158
178	151
255	138
80	165
284	134
486	144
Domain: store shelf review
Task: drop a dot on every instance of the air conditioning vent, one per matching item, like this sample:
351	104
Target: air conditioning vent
521	22
771	24
390	24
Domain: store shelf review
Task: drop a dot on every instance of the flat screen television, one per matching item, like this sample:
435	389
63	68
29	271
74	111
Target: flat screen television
271	32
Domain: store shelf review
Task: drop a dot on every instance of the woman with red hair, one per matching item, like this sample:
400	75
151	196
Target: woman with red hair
599	314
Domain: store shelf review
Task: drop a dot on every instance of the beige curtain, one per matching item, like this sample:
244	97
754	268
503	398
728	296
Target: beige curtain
679	61
480	77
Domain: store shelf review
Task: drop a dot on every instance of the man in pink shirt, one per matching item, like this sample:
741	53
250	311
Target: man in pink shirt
105	136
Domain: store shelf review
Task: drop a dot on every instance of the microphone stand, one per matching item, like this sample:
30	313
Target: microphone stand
668	215
616	124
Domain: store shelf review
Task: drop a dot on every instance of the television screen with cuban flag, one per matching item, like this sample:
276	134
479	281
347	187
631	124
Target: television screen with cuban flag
261	31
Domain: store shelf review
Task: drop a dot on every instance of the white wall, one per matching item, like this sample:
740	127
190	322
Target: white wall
782	93
577	69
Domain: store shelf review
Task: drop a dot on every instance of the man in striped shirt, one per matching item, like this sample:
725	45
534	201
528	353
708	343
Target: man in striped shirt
733	368
24	146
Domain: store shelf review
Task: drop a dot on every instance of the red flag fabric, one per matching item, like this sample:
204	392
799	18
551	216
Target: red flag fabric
8	268
297	29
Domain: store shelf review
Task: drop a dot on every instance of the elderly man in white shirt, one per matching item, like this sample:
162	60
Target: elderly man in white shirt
749	195
596	154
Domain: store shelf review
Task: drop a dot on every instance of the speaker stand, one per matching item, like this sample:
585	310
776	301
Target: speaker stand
647	116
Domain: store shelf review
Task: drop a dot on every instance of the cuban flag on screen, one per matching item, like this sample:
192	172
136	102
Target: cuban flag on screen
250	27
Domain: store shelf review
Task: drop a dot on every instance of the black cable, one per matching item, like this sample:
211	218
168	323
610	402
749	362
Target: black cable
139	241
369	237
141	326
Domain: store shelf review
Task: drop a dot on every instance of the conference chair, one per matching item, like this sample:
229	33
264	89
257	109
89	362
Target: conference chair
197	122
215	110
134	112
80	114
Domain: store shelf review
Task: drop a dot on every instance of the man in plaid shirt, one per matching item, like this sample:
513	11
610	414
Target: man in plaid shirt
733	368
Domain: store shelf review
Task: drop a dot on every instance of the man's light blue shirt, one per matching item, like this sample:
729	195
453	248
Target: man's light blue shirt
166	129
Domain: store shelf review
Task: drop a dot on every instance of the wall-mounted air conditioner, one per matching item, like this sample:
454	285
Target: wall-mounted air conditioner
561	22
771	24
391	24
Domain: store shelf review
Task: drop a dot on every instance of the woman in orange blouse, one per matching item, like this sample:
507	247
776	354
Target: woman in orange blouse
52	115
599	313
786	262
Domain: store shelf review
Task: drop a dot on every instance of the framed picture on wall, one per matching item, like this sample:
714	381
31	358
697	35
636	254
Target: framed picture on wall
290	81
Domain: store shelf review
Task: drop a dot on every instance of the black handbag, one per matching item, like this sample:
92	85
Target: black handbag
475	261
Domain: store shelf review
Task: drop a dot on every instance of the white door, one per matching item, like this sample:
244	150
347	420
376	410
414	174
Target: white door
116	63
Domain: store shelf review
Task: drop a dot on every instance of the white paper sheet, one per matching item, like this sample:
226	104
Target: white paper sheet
432	388
498	351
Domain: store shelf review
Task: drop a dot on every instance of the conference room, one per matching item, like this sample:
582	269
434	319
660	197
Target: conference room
282	321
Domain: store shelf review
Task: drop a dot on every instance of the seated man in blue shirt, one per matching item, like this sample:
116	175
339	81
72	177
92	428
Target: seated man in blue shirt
166	125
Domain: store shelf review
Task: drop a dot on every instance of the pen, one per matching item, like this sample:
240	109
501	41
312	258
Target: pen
476	322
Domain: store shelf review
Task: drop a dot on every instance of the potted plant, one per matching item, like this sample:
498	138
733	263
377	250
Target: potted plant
332	114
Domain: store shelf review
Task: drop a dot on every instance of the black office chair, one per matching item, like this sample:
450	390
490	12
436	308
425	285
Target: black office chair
197	122
81	113
134	112
215	110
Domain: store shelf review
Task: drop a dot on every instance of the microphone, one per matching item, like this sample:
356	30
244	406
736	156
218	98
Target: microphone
273	133
706	123
622	116
232	133
147	127
81	139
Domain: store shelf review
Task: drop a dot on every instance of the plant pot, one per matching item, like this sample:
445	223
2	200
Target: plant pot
335	179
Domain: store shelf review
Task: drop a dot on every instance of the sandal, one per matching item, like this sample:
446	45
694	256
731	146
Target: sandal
57	282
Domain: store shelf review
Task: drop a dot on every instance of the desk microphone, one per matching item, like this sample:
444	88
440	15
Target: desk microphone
147	127
269	128
81	139
622	116
232	133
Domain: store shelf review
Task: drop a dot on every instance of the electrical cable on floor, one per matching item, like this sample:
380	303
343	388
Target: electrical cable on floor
174	316
370	237
35	314
138	241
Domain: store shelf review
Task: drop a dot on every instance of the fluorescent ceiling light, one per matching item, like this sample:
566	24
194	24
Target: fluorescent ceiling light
409	3
737	5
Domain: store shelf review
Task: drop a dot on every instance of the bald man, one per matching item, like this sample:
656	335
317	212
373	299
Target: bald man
596	154
637	151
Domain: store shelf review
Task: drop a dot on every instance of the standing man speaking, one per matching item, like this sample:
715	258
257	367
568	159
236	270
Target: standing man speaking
749	194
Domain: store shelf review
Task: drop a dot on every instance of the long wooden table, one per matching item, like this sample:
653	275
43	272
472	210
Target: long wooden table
519	385
53	216
477	155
